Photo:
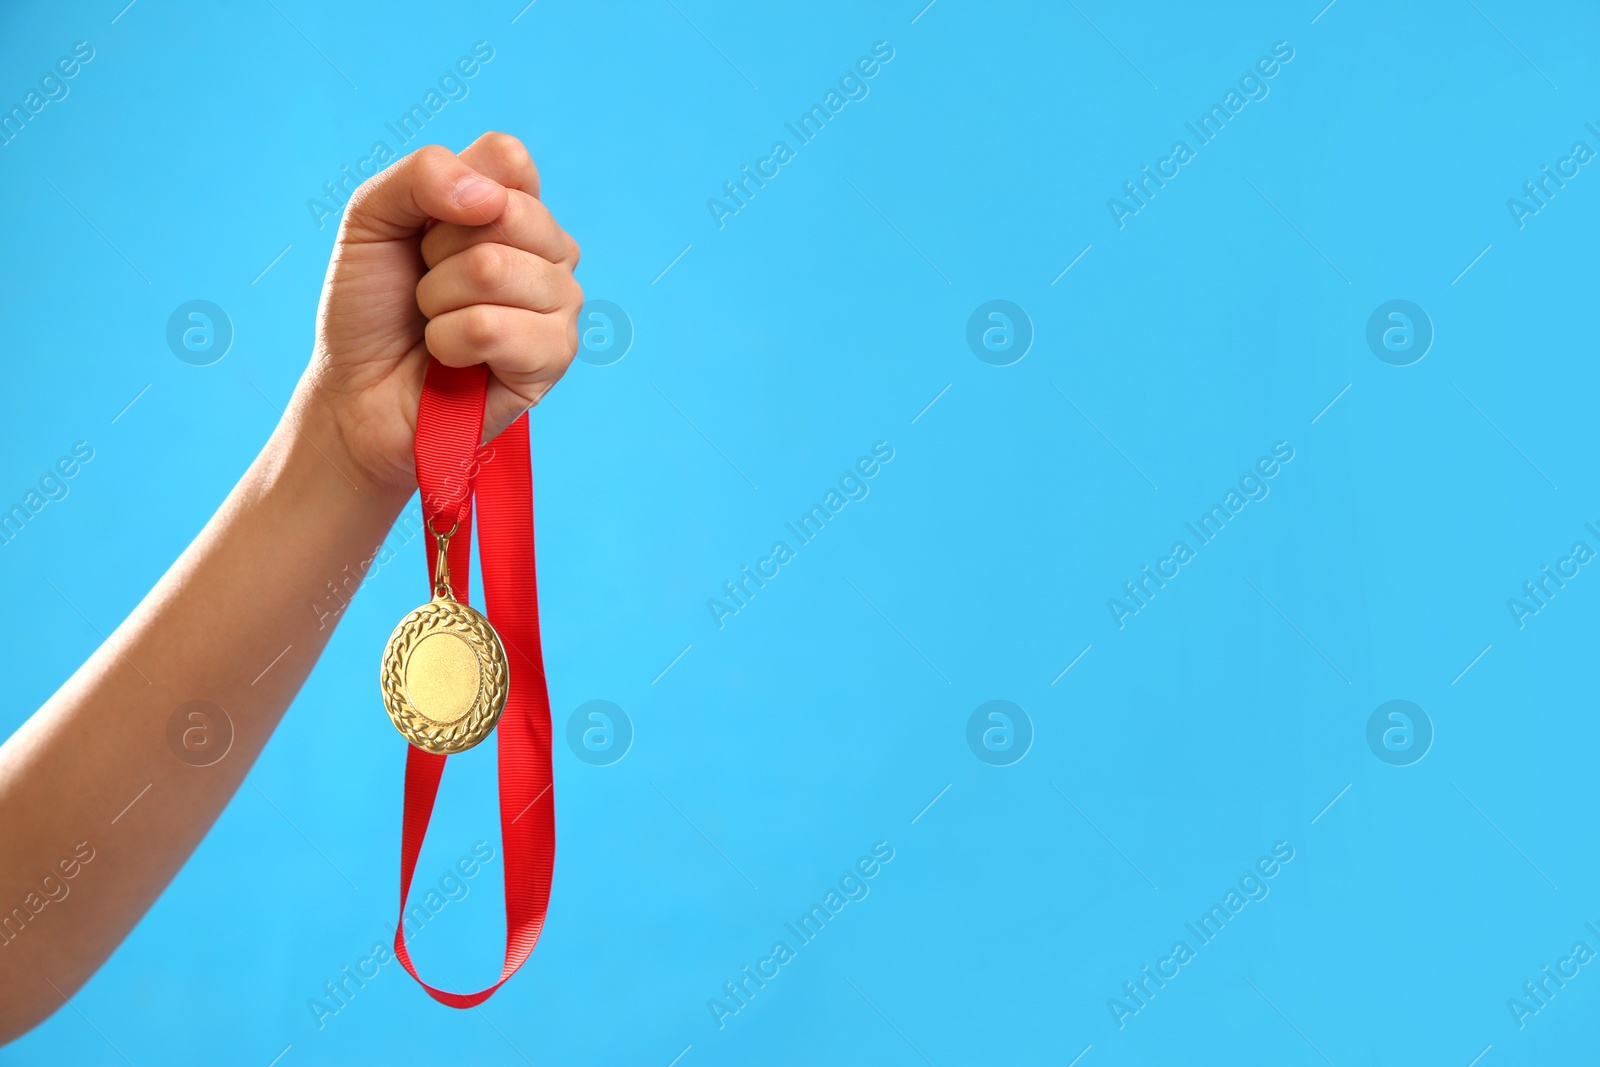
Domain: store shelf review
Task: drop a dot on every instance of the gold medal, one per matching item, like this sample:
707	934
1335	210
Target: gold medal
445	675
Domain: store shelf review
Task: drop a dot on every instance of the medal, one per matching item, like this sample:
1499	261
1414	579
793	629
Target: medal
444	678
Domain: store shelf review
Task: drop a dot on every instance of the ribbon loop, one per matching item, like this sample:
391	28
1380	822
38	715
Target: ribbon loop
449	427
452	471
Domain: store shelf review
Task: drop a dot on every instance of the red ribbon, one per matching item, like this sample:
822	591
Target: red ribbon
451	470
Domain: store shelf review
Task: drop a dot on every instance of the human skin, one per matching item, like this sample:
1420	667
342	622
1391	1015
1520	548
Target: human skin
489	280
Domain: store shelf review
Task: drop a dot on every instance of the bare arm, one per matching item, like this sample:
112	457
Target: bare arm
234	600
491	284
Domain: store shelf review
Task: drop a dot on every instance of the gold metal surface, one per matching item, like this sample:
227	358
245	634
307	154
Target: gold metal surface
445	677
442	677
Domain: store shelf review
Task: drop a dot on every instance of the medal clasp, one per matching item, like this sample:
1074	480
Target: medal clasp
441	566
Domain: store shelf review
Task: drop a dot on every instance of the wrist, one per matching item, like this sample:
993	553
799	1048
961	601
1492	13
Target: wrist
317	464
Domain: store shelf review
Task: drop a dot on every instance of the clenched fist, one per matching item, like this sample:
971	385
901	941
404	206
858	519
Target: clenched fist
450	255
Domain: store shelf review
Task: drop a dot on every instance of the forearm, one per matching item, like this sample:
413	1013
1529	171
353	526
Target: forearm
234	622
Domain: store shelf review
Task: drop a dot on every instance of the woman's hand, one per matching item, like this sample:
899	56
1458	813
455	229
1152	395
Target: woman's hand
490	281
240	619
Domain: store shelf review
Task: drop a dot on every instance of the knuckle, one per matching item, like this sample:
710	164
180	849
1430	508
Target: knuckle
510	153
488	266
432	156
504	145
522	211
479	327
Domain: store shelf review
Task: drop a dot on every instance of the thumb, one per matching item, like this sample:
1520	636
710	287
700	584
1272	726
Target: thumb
430	183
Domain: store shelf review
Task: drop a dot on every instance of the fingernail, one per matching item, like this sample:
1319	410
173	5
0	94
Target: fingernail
472	191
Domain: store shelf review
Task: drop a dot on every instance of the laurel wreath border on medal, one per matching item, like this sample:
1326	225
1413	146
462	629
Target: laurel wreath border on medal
445	616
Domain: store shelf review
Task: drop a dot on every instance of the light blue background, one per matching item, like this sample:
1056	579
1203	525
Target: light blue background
823	718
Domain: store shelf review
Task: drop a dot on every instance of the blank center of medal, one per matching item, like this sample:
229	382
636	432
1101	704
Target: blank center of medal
442	677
